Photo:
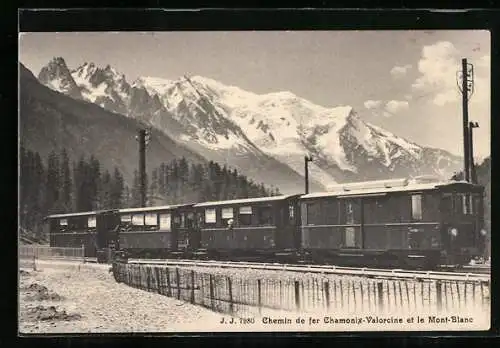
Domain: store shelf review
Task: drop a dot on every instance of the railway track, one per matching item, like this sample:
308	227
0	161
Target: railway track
326	269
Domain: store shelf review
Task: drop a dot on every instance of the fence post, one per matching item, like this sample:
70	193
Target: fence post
297	295
83	253
169	287
327	294
259	295
482	292
439	295
380	290
211	291
148	278
230	288
34	262
178	281
158	280
192	286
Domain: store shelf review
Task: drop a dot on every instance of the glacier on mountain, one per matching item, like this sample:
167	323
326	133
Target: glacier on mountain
208	114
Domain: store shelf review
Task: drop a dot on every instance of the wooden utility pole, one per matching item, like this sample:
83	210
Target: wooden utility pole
143	139
465	109
307	159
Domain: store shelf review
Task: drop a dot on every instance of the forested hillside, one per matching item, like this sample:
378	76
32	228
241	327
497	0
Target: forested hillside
57	185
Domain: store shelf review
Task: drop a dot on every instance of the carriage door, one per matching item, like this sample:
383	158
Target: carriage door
288	238
105	227
184	223
352	227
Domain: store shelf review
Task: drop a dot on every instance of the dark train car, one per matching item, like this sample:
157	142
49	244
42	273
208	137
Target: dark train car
157	232
263	228
92	230
407	223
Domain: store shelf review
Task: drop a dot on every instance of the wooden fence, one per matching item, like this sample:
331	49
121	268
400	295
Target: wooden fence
238	295
29	254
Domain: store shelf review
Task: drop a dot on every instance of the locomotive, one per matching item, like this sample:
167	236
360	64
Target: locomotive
406	223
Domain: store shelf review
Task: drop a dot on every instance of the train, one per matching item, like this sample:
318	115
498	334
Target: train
412	223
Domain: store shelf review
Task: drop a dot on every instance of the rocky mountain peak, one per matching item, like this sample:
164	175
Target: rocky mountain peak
214	118
57	76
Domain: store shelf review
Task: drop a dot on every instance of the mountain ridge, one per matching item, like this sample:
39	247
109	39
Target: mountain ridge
220	121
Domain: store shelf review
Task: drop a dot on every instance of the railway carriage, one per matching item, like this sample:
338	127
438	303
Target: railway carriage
389	223
164	231
416	223
92	230
249	229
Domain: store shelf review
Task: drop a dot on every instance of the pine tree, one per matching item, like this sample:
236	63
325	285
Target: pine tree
117	189
83	193
153	191
66	182
53	184
105	191
135	200
94	181
162	187
126	198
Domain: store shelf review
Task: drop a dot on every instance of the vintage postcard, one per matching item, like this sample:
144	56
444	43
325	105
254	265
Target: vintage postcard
232	181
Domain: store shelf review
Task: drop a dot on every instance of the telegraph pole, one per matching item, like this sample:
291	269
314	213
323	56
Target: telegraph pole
466	77
143	139
307	159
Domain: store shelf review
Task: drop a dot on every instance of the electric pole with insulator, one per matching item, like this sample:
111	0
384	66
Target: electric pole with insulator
465	81
473	176
143	139
307	159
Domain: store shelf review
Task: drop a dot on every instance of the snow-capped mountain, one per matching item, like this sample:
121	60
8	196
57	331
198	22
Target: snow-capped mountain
260	134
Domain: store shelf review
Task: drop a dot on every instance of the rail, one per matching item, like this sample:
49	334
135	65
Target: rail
325	269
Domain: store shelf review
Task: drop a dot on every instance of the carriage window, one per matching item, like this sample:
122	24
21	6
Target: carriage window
265	215
182	221
126	218
151	219
447	204
313	213
210	217
227	214
477	203
165	222
138	219
189	220
350	237
331	212
92	222
63	222
349	210
463	198
472	208
416	207
245	216
291	211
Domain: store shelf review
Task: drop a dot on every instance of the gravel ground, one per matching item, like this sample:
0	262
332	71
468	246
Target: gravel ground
62	298
66	297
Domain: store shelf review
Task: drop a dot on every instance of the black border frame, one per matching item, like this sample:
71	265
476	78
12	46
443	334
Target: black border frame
128	19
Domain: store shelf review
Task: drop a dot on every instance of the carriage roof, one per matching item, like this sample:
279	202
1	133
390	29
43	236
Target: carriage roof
245	201
84	213
151	209
384	189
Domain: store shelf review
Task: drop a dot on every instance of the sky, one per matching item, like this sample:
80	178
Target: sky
403	81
